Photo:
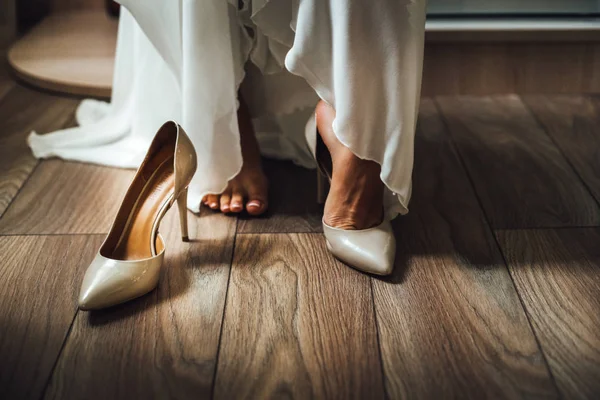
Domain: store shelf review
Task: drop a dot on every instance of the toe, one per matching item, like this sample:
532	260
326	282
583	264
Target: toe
257	203
212	200
225	201
256	207
237	201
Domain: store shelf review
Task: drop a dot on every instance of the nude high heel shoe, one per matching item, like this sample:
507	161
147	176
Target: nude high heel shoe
129	261
369	250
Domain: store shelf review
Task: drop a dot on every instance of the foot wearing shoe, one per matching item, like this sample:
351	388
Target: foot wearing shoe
249	189
355	199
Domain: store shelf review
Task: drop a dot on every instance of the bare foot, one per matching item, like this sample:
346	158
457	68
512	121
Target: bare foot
355	200
249	189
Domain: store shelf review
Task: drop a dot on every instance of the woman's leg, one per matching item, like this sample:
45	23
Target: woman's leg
249	189
364	60
355	199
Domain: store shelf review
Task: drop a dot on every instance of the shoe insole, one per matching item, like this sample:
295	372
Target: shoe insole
136	241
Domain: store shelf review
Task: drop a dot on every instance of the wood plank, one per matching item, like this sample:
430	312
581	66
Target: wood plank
573	123
163	345
552	67
450	321
292	201
473	68
67	197
520	176
501	66
21	111
494	31
557	273
297	324
39	282
591	74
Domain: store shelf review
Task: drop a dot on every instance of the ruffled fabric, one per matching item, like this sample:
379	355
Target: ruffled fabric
185	60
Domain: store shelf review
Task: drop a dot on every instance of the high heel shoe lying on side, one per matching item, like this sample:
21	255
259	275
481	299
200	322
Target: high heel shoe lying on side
369	250
129	261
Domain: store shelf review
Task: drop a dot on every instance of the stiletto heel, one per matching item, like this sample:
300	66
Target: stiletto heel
370	250
183	215
129	261
322	187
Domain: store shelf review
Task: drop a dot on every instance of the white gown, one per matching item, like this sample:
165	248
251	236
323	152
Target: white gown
184	60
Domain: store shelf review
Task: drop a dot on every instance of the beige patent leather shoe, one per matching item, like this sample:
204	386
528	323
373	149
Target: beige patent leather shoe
129	261
369	250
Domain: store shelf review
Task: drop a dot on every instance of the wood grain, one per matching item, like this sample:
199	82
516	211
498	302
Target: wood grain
163	345
451	69
573	122
449	318
39	282
293	203
67	197
501	67
592	66
557	273
498	33
520	176
21	111
298	324
553	68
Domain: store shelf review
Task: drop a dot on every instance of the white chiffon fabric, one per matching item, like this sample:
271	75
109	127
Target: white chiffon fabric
185	60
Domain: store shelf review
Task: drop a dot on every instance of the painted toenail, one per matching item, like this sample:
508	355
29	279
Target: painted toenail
236	205
255	203
213	205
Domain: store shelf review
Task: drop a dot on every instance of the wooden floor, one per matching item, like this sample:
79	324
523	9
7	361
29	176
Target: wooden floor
495	294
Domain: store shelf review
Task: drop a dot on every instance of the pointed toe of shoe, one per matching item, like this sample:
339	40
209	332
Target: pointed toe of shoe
370	250
110	282
90	299
98	292
384	264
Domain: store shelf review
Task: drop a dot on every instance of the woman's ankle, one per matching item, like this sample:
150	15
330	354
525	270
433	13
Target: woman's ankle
355	200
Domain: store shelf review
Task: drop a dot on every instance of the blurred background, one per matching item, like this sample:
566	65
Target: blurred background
508	46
